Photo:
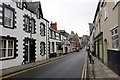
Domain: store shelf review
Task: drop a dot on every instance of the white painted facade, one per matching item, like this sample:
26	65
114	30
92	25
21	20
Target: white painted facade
54	38
20	35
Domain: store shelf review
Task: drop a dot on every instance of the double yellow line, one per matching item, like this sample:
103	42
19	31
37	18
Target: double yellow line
84	71
16	73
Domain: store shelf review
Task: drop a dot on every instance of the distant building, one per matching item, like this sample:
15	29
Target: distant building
74	42
66	43
84	40
57	41
92	38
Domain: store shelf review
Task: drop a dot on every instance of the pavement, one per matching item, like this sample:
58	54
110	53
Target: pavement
99	71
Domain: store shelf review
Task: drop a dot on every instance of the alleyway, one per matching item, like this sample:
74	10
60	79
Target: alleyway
70	66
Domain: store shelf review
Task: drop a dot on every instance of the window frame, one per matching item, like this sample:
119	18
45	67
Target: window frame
32	27
19	2
13	16
105	12
115	35
42	44
42	30
14	55
38	13
26	23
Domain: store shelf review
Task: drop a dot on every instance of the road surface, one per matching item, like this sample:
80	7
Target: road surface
70	66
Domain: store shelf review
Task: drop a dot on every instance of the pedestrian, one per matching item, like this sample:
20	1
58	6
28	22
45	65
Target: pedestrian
89	54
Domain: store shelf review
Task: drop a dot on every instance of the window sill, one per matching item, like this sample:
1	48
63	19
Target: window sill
20	8
116	49
7	58
43	35
8	27
33	33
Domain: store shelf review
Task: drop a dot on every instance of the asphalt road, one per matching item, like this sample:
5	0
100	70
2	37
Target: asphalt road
70	66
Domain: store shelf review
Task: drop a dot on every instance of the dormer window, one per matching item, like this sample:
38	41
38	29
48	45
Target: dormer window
38	14
20	4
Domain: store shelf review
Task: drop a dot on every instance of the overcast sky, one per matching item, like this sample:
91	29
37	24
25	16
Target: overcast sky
70	15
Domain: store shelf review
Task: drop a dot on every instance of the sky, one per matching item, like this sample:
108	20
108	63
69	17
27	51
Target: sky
70	15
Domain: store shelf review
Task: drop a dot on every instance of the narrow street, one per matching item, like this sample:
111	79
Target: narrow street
70	66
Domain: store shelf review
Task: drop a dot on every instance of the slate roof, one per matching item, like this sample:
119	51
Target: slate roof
34	6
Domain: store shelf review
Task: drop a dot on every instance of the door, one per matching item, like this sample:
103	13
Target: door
27	51
32	50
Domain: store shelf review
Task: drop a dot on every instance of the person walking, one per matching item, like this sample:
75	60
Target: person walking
89	54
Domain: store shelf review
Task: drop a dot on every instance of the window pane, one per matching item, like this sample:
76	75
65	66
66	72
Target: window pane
38	14
116	31
32	25
2	53
112	33
42	30
10	44
10	52
42	48
7	21
3	43
7	13
0	44
8	17
19	3
26	23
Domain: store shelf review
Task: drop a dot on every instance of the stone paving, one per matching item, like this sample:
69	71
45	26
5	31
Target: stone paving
99	71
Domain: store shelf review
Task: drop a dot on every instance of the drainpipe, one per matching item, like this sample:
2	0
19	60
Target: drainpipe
46	40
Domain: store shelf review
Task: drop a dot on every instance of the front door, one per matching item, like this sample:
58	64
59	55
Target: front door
26	51
32	50
29	52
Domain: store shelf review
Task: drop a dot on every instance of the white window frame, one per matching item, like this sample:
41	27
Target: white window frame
114	34
20	4
42	48
38	14
105	12
42	29
8	17
32	26
27	24
6	54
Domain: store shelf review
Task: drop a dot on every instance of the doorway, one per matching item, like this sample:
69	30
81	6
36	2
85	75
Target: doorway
29	50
